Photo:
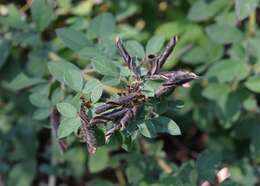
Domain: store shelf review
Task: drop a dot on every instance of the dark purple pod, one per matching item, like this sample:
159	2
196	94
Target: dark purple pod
179	78
88	132
104	107
167	51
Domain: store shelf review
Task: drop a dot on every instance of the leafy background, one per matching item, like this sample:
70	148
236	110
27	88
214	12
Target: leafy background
49	50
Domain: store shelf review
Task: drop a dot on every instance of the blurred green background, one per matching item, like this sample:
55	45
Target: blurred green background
218	39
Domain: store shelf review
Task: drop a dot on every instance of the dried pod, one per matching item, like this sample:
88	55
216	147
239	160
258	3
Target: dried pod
116	102
55	121
104	107
115	113
87	130
108	116
153	65
121	125
179	78
162	90
167	51
129	115
127	58
156	62
174	79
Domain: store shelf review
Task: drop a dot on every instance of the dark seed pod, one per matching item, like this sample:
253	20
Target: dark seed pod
87	130
129	115
179	78
55	121
115	113
116	102
127	58
121	125
125	55
162	90
104	107
123	99
174	79
152	61
167	51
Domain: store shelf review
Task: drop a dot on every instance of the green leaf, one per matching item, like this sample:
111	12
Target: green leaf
229	70
245	8
58	69
40	96
23	81
104	66
67	110
72	38
207	163
67	126
27	38
216	91
41	113
134	174
57	96
202	10
42	13
224	34
150	87
89	52
99	182
5	50
102	25
170	29
135	49
154	45
22	173
253	84
94	88
253	47
227	18
99	161
151	128
110	80
255	140
195	56
204	54
14	19
73	78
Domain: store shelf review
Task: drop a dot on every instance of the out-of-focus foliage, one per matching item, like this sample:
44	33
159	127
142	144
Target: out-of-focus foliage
50	50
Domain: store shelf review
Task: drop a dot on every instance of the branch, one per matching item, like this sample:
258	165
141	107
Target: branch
55	121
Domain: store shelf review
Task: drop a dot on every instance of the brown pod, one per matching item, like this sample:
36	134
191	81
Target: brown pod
123	99
179	78
88	133
167	51
115	113
162	90
104	107
129	115
55	121
127	58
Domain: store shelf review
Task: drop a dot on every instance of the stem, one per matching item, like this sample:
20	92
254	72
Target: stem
120	177
26	6
251	24
1	181
54	161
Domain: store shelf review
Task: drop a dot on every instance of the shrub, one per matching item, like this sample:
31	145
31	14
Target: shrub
102	73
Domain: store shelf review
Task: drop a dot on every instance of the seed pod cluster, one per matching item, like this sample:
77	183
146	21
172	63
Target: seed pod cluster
123	109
